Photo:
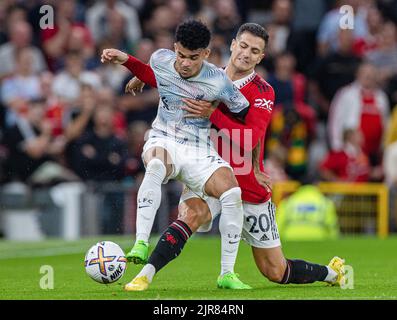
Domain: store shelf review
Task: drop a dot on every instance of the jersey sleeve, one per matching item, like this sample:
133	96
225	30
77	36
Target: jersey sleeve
257	120
141	70
232	97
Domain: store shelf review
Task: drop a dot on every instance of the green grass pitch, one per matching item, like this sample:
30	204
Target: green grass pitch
193	275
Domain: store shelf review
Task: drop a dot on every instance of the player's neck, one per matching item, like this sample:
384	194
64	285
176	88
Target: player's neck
235	74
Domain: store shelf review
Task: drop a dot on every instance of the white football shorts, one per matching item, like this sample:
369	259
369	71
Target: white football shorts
259	228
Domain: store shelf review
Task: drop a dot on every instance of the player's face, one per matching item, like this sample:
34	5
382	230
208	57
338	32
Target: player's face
247	51
188	62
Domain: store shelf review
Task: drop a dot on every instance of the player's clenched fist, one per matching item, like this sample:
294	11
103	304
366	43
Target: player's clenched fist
114	56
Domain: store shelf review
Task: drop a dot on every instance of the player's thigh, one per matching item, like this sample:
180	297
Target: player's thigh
202	170
160	153
220	181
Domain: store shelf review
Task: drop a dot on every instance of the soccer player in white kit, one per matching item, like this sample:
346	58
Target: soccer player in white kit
180	148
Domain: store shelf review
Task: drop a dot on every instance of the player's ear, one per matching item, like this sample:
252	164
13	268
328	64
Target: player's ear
175	47
233	44
207	53
260	58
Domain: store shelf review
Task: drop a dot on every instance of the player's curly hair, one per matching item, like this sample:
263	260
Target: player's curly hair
193	35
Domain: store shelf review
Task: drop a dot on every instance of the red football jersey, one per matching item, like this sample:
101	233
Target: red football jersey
260	96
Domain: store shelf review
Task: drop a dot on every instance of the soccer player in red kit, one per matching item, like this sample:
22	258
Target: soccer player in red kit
196	214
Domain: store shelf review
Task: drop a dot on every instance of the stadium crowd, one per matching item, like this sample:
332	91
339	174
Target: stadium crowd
61	109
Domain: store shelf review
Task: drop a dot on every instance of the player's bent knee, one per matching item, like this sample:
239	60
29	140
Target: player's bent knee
156	168
220	182
231	196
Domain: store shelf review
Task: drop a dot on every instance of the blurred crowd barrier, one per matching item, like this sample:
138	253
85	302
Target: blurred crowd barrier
74	210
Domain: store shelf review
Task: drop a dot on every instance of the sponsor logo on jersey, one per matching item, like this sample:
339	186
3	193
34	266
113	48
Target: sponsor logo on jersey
264	104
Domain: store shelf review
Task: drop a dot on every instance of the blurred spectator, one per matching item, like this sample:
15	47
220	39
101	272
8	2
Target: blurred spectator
163	40
67	83
136	139
280	27
106	97
289	129
374	20
384	57
293	121
289	84
332	72
78	118
66	35
55	108
20	38
23	86
302	40
349	164
10	14
327	35
99	155
227	19
29	142
307	215
179	9
114	20
291	88
161	19
360	105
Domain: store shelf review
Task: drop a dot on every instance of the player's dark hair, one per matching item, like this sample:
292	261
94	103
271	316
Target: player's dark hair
255	29
193	35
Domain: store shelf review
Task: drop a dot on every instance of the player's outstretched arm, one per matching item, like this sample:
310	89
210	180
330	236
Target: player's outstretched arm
141	70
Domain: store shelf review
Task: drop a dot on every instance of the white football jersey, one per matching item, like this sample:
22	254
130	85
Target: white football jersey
210	84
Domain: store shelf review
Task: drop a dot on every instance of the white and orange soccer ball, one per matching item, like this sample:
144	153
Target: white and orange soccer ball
105	262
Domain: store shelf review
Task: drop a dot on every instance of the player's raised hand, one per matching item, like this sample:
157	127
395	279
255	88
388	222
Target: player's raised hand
114	56
134	85
198	108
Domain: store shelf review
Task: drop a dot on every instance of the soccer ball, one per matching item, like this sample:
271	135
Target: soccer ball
105	262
